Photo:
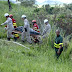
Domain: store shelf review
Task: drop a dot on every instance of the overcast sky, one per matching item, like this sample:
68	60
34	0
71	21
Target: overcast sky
41	1
64	1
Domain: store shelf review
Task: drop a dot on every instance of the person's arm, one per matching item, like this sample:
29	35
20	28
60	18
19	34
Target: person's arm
5	22
45	30
14	21
49	29
25	26
59	49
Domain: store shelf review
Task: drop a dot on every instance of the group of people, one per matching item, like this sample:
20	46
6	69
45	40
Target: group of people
11	25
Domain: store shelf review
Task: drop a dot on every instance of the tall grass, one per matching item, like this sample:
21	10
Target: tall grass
39	58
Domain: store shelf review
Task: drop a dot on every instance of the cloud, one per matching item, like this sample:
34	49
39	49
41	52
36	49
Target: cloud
40	1
64	1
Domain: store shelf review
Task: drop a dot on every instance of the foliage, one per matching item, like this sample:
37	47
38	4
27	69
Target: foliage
68	6
27	2
39	58
65	22
14	58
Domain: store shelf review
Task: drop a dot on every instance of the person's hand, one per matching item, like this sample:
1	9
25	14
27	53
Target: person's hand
25	30
1	24
58	52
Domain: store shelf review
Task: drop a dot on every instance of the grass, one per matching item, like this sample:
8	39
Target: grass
14	58
17	12
39	58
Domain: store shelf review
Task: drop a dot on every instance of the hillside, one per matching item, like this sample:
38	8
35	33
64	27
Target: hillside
14	58
39	57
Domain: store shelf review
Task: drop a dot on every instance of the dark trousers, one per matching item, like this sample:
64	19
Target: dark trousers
56	50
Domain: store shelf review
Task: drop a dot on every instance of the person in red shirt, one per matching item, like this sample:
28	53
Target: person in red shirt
35	26
13	20
14	24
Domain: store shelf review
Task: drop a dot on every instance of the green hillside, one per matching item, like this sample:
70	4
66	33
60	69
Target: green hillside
39	57
14	58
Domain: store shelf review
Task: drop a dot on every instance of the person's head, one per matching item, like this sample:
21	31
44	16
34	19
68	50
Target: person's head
57	32
6	15
33	22
46	21
23	17
11	16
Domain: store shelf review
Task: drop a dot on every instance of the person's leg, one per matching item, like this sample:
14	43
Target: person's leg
23	36
11	35
8	36
28	38
56	50
58	55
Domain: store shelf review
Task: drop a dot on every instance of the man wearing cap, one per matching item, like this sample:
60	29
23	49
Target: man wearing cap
26	30
47	29
9	26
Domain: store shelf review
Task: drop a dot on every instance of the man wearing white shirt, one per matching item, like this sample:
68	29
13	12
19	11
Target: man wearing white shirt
47	29
26	30
10	27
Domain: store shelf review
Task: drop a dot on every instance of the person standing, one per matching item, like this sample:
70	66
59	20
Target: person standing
26	30
15	26
58	44
9	27
47	29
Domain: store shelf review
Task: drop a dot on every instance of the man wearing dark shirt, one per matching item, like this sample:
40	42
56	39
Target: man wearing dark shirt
58	44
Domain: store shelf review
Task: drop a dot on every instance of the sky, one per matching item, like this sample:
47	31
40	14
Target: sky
41	1
64	1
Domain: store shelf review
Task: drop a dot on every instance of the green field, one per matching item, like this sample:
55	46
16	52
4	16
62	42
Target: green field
40	57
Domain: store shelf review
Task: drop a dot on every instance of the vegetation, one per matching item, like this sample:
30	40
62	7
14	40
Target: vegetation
39	58
27	2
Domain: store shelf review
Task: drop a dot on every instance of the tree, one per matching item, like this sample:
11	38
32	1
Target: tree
68	6
48	8
27	2
9	5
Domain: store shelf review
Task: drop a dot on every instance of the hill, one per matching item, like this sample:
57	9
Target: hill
36	59
40	57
